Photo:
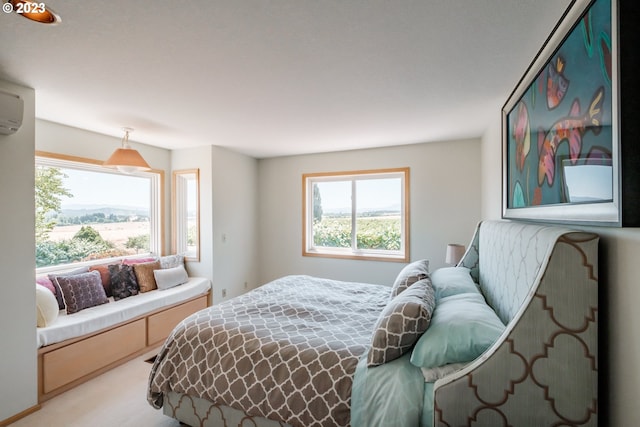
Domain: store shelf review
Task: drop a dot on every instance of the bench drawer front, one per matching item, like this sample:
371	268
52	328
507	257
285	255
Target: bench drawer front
81	358
161	324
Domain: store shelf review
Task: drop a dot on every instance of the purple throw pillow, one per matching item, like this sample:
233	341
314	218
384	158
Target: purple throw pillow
82	291
54	280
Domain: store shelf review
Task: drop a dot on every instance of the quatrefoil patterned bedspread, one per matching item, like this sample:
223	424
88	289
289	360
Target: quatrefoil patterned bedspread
286	351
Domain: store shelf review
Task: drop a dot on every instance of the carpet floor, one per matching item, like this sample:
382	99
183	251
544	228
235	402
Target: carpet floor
117	398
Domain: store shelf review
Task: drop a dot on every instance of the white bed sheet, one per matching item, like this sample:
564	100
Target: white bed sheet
103	316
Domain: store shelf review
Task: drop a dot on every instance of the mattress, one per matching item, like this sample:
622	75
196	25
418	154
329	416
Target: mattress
103	316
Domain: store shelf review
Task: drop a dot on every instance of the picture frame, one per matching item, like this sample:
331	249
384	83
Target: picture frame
561	139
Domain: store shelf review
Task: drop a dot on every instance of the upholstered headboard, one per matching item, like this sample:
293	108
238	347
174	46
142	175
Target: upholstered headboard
542	281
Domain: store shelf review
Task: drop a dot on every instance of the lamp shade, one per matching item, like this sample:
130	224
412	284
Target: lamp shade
127	160
454	253
34	11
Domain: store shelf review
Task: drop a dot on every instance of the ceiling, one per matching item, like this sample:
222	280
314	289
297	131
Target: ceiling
277	77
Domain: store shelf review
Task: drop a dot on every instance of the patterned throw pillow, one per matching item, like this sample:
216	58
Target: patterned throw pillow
409	275
53	277
172	261
123	281
144	275
82	291
405	318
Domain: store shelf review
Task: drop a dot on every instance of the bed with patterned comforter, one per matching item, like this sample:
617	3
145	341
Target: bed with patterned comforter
521	306
287	351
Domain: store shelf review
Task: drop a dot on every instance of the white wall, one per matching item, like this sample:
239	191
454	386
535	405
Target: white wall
235	228
444	198
492	170
619	316
70	141
18	369
228	226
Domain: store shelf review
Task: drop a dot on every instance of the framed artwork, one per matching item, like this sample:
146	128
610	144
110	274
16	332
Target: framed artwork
560	126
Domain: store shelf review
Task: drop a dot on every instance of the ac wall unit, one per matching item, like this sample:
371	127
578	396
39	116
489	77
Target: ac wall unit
11	110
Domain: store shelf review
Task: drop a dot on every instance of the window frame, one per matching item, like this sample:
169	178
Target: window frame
156	216
308	248
179	202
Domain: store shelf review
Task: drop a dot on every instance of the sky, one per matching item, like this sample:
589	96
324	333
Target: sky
122	190
589	182
372	194
109	189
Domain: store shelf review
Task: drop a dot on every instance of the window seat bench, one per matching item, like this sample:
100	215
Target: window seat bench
80	346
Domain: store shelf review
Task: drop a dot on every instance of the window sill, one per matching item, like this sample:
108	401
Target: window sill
347	254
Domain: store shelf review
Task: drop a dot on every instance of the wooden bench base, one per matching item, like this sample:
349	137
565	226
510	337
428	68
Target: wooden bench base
64	365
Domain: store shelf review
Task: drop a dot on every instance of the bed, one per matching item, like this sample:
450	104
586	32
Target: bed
507	337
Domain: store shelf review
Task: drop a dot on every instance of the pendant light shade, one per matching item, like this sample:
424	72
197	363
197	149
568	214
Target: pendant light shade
126	159
34	11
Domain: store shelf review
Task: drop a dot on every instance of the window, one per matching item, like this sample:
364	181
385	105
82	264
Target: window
86	213
357	215
185	213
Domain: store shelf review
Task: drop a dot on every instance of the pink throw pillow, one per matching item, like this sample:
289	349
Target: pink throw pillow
132	261
47	283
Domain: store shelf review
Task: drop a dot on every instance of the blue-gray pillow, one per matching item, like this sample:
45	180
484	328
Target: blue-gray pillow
453	281
462	327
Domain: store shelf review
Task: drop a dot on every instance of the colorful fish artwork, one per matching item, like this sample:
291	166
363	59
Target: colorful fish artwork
562	113
587	32
605	56
571	129
557	83
522	135
598	156
518	196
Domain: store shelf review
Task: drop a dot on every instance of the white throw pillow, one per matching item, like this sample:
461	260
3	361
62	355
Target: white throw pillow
169	277
46	307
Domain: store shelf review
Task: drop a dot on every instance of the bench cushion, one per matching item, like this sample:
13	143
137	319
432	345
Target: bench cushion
93	319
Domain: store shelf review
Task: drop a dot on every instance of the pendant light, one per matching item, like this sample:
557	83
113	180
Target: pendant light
34	11
126	159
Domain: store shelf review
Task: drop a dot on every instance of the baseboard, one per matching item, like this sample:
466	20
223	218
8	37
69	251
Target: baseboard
22	414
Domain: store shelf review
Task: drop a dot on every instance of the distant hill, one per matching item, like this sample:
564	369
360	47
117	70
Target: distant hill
382	211
81	210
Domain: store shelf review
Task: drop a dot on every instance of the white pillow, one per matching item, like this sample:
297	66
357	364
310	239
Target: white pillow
169	277
46	307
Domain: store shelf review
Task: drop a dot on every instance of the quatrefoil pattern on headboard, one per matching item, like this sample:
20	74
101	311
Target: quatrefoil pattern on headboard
543	282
